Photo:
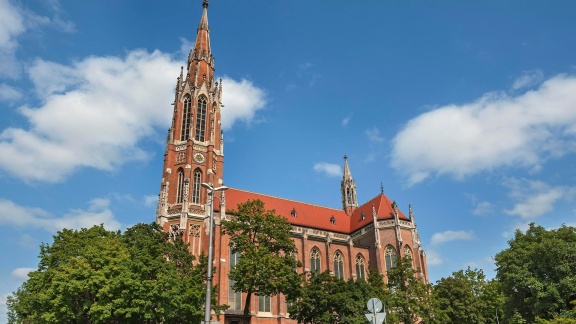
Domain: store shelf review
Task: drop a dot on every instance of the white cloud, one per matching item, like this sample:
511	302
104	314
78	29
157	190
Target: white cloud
494	131
433	258
448	236
8	93
94	112
150	200
346	120
11	26
535	198
241	99
21	273
529	78
374	135
483	208
330	169
98	212
15	21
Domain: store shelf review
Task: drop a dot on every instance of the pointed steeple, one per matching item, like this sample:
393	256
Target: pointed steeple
348	187
202	45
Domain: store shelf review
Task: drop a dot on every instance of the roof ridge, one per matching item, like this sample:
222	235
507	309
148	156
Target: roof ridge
292	200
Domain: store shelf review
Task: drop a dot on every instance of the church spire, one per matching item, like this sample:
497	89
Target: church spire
348	187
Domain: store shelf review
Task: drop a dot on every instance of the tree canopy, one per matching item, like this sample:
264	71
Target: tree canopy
98	276
467	297
267	265
538	273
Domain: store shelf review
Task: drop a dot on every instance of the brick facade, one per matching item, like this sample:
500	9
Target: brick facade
195	154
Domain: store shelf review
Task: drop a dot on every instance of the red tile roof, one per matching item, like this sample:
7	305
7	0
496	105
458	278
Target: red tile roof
313	216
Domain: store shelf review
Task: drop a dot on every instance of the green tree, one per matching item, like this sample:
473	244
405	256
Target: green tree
467	297
326	299
537	273
98	276
266	266
410	300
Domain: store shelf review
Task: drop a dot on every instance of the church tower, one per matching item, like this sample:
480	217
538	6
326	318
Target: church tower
194	146
348	187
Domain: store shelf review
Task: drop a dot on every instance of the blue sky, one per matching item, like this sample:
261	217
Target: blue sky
466	110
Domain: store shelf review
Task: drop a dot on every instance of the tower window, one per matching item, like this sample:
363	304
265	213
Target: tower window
180	187
196	186
390	257
360	268
338	265
186	119
201	119
315	261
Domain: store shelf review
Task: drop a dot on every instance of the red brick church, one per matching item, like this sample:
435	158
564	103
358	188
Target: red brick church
346	241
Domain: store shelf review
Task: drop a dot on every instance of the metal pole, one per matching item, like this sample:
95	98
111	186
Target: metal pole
207	307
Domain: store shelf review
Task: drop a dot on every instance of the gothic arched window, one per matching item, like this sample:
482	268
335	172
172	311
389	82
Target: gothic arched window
186	119
408	254
264	304
315	261
201	119
180	187
196	186
390	257
234	297
338	265
360	268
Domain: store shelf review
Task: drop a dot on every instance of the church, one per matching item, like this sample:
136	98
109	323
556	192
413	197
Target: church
346	241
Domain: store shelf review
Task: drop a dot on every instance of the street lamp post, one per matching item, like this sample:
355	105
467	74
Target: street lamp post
207	307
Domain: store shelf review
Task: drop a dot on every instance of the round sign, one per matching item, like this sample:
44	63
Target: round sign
374	305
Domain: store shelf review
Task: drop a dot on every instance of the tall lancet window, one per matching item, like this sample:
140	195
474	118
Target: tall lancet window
201	119
390	257
315	261
196	186
180	187
338	265
360	268
186	119
408	254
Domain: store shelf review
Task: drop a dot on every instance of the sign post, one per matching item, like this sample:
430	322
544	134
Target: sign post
374	307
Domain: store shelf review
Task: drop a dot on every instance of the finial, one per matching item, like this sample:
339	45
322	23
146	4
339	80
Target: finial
345	157
381	188
205	4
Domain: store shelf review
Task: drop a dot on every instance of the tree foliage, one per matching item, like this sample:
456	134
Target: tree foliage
538	273
467	297
410	300
98	276
327	299
266	266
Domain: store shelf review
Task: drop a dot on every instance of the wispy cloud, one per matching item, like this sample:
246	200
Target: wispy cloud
373	135
535	198
98	212
528	79
242	99
494	131
433	257
329	169
150	200
21	273
346	120
448	236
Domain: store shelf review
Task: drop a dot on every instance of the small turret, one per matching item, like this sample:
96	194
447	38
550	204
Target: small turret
348	187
